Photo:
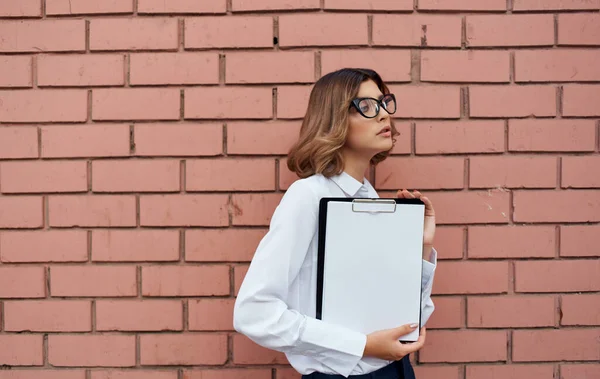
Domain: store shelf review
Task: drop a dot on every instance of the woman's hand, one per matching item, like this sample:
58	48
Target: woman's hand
385	344
429	226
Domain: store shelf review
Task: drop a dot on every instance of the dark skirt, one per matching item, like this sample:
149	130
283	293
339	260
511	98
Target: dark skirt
401	369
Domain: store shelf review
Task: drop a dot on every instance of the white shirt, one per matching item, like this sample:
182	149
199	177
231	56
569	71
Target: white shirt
276	304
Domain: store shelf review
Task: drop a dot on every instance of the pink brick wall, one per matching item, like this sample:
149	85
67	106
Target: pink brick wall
142	152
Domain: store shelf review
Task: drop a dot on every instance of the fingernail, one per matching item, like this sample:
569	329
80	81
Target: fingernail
414	325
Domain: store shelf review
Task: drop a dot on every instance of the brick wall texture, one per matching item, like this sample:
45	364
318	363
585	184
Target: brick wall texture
142	153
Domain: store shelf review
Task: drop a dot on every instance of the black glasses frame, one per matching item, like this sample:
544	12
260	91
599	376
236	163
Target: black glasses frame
378	104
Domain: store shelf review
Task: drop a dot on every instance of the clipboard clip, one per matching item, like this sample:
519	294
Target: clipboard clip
356	205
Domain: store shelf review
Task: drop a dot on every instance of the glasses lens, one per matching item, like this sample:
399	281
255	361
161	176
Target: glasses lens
389	103
368	107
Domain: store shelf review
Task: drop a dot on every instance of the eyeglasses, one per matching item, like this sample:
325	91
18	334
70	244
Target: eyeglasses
369	107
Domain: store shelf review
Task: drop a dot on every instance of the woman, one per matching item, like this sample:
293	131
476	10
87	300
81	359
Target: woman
347	128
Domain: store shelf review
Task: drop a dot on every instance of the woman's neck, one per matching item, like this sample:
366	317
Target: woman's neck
355	166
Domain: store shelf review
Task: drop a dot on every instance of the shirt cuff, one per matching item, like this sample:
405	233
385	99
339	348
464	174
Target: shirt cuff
429	268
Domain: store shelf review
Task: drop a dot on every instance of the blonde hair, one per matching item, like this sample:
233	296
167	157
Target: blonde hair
325	125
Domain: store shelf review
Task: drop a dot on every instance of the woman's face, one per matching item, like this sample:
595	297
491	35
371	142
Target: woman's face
369	136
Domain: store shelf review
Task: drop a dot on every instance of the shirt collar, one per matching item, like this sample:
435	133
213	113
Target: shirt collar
348	184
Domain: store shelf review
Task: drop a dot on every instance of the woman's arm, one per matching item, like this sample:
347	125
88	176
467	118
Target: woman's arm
261	311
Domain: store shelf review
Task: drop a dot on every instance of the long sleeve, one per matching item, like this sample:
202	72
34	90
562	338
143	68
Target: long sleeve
427	306
261	311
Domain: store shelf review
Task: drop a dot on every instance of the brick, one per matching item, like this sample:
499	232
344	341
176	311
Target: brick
567	206
96	281
74	141
557	276
578	370
512	370
185	280
181	6
21	8
579	29
511	242
459	137
477	346
246	352
580	309
252	175
273	5
188	139
581	100
33	36
286	177
211	314
403	144
579	240
48	316
510	311
510	30
228	32
16	71
182	349
449	242
21	212
133	374
239	272
555	345
261	138
140	33
557	65
548	5
21	350
415	101
322	30
173	68
420	173
465	66
391	65
22	282
229	373
370	5
580	172
156	175
139	315
486	207
184	210
218	245
92	210
512	101
136	104
254	209
445	371
512	172
43	176
72	7
43	105
551	135
91	350
417	30
135	245
80	70
231	103
460	277
52	373
18	142
449	313
462	5
270	67
292	101
43	246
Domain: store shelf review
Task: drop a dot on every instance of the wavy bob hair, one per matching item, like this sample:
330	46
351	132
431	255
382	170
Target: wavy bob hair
325	125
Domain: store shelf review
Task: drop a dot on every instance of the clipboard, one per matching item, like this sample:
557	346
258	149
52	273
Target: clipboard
370	263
